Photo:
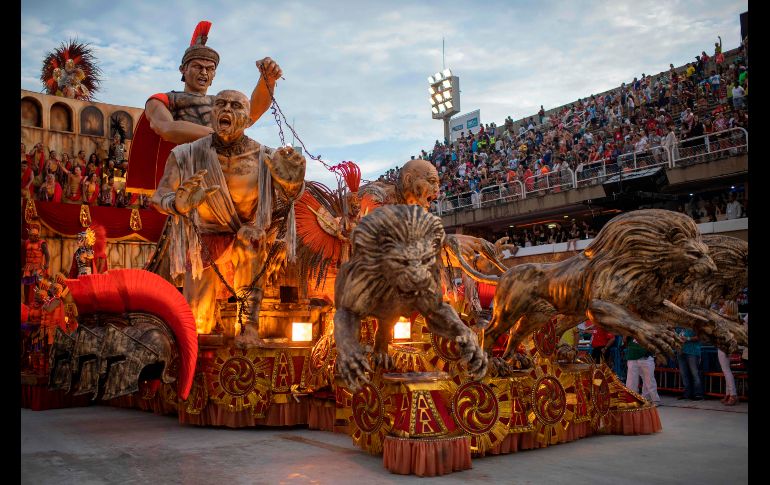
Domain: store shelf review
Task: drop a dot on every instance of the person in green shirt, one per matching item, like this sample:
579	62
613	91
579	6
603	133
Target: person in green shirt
641	363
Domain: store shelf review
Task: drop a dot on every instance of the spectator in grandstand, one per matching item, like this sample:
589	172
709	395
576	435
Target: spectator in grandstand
27	176
734	208
50	190
689	365
81	159
65	160
738	95
73	188
91	188
107	193
574	235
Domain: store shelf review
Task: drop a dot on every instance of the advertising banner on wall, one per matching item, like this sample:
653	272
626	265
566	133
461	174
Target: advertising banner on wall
466	123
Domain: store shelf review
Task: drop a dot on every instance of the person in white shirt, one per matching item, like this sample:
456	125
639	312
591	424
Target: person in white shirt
734	208
670	142
475	199
738	94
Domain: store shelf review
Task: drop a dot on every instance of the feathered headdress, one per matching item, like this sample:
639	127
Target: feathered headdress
70	70
116	126
350	173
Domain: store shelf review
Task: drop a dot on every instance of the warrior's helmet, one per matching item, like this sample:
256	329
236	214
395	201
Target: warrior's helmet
198	48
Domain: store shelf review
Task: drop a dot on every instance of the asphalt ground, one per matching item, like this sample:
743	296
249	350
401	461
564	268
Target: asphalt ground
702	442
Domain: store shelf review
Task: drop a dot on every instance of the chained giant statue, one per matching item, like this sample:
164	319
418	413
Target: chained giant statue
223	192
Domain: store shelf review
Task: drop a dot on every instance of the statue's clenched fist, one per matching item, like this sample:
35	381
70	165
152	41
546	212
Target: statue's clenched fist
288	167
250	234
269	69
191	193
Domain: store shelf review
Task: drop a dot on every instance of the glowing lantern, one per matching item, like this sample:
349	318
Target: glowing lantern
402	329
301	332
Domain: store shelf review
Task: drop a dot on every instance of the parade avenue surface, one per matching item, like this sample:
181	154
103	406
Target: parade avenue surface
701	442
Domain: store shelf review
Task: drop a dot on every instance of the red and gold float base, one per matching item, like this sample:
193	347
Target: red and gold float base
426	416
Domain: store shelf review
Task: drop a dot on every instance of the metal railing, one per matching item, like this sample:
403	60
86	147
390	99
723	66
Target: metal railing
705	148
638	160
508	191
549	183
722	144
595	172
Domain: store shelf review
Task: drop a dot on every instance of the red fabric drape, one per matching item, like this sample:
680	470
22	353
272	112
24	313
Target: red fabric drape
426	458
147	159
65	219
486	294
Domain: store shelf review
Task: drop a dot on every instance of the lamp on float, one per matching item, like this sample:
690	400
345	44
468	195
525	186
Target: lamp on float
301	332
403	329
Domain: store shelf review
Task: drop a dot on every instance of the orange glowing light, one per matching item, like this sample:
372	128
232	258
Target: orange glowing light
301	332
402	329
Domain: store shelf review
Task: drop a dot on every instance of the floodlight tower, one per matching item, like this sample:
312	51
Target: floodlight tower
444	97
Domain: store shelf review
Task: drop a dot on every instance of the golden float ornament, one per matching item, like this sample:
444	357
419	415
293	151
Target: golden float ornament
552	405
483	410
368	421
85	215
135	222
240	379
198	397
30	211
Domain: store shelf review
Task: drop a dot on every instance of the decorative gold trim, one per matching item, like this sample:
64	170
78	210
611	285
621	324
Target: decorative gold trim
135	222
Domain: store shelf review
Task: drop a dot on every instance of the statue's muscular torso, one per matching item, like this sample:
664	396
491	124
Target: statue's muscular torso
240	167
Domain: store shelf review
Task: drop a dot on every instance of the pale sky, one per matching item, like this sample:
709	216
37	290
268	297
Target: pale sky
356	72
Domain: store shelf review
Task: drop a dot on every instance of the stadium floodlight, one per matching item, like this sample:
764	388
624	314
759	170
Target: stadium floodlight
444	90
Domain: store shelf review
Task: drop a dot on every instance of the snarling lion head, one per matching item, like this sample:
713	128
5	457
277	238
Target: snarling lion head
400	243
638	250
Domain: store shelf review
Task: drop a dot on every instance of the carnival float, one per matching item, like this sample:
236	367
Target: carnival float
340	308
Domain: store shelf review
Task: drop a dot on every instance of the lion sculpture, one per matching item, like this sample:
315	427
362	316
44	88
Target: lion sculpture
624	281
731	256
393	271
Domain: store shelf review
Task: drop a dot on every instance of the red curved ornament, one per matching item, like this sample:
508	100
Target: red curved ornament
126	290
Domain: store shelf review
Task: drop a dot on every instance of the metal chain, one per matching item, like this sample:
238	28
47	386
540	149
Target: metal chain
240	299
276	111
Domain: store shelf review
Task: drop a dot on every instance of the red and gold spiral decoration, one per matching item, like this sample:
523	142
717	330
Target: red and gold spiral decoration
240	379
369	422
549	401
483	410
553	402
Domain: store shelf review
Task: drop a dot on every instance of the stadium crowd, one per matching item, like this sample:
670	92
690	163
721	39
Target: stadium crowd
674	109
